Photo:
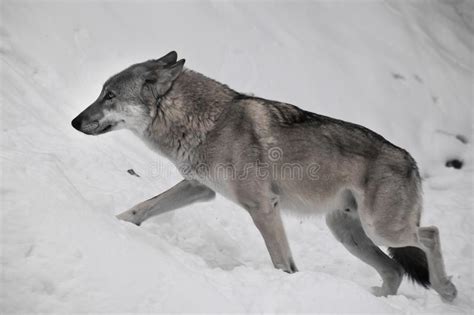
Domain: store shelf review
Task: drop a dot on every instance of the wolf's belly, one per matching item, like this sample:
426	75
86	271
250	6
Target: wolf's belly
316	199
305	195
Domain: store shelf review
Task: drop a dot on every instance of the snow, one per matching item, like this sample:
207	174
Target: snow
401	68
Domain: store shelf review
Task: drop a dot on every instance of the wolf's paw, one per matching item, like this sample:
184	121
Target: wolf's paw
389	287
447	290
130	216
379	291
384	290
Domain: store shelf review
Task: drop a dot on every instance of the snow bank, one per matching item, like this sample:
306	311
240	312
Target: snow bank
403	69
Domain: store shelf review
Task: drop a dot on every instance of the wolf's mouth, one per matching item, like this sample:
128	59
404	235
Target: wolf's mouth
95	128
106	127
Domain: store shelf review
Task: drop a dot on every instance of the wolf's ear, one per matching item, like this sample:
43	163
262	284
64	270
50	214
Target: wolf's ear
169	58
170	73
159	80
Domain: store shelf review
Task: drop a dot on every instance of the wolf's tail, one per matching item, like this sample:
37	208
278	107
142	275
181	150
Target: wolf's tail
414	263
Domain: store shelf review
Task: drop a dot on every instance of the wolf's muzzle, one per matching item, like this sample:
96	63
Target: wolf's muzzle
87	128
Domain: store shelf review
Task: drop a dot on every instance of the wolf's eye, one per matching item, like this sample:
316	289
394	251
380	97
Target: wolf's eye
109	96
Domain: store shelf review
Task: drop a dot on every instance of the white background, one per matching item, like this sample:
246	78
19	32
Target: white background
402	68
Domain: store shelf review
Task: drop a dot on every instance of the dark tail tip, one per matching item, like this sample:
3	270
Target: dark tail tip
414	263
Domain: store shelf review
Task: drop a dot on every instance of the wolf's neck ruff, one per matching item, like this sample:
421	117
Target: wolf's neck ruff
186	113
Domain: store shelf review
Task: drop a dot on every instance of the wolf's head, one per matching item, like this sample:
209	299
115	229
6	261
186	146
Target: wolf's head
129	98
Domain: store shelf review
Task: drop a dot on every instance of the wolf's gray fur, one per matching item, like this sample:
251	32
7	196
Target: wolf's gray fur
369	189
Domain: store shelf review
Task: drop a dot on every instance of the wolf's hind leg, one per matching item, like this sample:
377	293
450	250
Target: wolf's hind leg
392	219
430	244
182	194
347	228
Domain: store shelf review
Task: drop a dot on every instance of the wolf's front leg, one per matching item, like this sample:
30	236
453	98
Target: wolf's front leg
267	218
184	193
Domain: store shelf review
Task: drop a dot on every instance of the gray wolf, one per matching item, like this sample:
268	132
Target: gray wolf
267	156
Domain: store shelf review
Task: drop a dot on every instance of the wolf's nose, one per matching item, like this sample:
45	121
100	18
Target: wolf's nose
76	123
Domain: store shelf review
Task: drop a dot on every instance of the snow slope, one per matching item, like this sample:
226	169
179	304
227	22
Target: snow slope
401	68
